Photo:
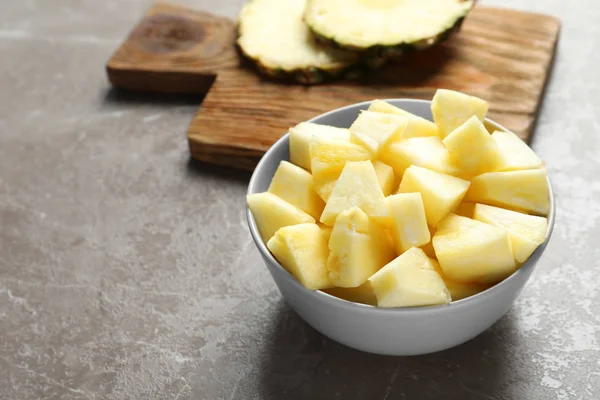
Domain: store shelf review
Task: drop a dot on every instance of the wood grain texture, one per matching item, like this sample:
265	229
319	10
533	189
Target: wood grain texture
174	49
500	55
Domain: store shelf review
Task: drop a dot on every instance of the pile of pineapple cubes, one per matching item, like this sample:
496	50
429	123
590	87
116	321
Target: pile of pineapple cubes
399	211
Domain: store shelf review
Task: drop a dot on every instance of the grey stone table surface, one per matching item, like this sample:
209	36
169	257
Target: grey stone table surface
127	271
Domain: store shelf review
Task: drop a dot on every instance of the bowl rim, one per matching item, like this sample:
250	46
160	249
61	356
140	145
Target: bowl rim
526	268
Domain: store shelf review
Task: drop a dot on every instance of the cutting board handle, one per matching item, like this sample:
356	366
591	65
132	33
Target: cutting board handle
174	49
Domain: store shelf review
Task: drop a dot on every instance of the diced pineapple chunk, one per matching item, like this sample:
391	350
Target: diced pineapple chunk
526	232
386	177
410	222
300	136
295	185
359	248
473	148
375	130
465	209
451	109
362	294
357	186
271	213
515	154
302	250
325	182
470	251
523	190
459	290
410	280
427	152
441	193
330	155
416	127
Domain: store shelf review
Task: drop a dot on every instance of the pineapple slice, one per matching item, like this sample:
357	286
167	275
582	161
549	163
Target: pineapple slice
300	136
357	186
272	34
410	222
271	213
427	152
330	155
362	294
465	209
416	127
441	193
385	28
526	232
522	190
295	185
515	154
410	280
359	248
375	130
386	177
451	109
470	251
302	250
473	148
458	290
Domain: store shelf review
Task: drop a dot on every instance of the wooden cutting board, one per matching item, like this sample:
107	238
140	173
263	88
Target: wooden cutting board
502	56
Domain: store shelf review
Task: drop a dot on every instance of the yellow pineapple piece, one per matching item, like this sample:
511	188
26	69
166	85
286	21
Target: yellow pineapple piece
324	183
410	222
410	280
330	155
271	213
375	130
359	248
357	186
451	109
515	154
328	158
427	152
300	136
302	250
295	185
526	232
470	251
441	193
459	290
362	294
523	190
386	177
473	148
416	127
465	209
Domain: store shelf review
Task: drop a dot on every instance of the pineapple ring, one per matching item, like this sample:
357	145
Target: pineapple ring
363	24
273	36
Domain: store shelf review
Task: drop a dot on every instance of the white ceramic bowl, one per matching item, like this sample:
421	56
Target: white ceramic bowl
391	331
